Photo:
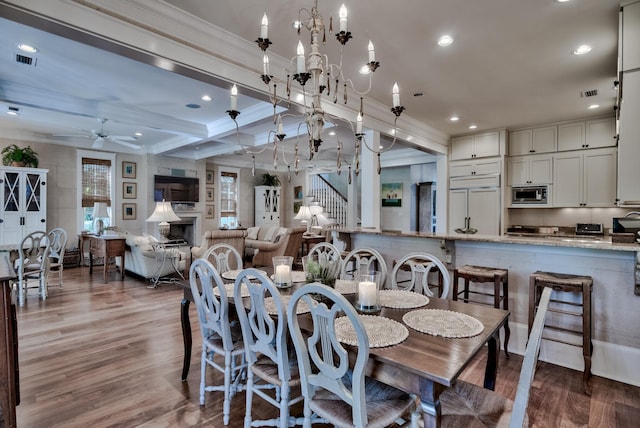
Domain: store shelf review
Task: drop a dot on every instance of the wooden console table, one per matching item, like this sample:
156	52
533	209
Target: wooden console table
106	247
9	376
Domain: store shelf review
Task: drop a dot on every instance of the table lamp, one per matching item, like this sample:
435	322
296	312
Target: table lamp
99	212
163	214
304	214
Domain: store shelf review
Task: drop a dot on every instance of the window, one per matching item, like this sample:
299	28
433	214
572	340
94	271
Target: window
96	176
228	199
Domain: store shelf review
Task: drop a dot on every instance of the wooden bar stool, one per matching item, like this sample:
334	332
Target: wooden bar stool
482	275
565	283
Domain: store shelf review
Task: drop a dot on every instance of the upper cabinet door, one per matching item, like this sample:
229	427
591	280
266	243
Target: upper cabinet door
475	146
600	133
631	36
571	136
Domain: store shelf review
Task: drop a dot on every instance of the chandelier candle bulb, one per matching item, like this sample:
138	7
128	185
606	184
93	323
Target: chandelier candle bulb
265	65
372	52
234	98
264	28
396	95
300	66
280	126
343	18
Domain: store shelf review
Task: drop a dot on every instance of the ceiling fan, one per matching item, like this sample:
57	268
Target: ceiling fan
101	135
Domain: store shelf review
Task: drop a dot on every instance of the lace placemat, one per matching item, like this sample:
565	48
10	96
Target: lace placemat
228	287
380	330
345	286
233	274
270	305
402	299
439	322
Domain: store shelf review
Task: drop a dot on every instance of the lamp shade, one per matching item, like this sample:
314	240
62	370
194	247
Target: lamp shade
100	210
163	213
303	214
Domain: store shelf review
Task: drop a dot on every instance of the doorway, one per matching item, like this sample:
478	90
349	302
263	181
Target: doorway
426	206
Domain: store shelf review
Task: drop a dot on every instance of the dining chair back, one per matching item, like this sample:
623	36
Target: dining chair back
412	273
218	336
57	243
32	264
326	251
363	260
334	384
223	257
272	370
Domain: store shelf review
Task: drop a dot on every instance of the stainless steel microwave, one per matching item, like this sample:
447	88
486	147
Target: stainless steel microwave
529	195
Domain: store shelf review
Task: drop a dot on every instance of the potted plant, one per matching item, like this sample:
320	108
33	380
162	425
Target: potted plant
19	156
270	180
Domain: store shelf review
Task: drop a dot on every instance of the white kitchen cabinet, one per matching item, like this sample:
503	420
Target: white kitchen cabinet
23	201
476	208
600	133
486	144
534	140
571	136
629	142
267	206
630	42
474	167
585	178
532	169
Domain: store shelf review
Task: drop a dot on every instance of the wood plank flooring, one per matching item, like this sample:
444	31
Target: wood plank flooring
110	355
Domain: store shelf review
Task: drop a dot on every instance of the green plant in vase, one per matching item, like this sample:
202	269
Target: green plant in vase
325	272
19	156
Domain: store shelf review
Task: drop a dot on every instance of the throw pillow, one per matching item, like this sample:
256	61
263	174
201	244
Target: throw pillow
252	232
270	233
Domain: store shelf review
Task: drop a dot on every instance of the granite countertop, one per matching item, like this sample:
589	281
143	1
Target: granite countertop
562	240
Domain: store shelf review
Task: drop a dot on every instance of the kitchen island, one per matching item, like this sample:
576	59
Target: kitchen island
613	267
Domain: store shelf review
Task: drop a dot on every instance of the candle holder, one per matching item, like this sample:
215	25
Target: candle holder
282	271
233	114
368	292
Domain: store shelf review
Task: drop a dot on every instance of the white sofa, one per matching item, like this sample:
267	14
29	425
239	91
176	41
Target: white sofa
144	258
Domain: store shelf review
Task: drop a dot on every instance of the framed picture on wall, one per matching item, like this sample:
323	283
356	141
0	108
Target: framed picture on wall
297	192
128	169
391	194
129	211
296	206
129	190
210	194
209	211
209	177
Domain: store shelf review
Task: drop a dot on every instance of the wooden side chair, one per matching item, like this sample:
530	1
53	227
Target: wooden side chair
272	372
334	386
469	405
219	339
32	265
57	243
412	273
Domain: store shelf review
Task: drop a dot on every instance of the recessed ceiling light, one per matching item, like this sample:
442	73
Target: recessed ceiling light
593	106
562	1
582	49
473	126
206	98
445	40
297	25
27	48
332	132
138	134
365	69
454	118
300	98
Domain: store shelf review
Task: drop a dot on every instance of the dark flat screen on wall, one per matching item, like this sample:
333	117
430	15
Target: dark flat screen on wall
176	189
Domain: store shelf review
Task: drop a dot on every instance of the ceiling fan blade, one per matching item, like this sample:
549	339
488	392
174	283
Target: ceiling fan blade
124	143
122	137
98	143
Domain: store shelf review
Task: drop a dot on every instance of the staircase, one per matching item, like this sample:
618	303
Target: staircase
334	202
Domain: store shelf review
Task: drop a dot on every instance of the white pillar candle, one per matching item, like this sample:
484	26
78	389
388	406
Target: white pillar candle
367	293
372	52
282	274
301	68
264	28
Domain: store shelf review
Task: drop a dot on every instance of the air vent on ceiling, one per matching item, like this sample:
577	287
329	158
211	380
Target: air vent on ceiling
27	60
589	93
14	109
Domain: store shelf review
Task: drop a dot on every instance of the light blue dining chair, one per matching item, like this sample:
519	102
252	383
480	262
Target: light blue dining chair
332	377
219	339
412	271
223	257
362	260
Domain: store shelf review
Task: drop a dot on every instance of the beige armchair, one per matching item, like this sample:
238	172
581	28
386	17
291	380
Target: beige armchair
233	237
288	244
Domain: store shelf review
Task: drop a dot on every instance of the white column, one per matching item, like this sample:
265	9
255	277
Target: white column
370	179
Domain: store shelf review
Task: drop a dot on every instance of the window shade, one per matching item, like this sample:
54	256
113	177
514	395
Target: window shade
96	181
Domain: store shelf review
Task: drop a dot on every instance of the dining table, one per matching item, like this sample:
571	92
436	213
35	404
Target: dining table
423	364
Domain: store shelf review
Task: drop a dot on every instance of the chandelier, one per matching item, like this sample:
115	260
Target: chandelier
320	80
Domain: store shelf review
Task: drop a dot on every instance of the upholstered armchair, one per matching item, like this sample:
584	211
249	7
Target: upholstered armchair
233	237
284	244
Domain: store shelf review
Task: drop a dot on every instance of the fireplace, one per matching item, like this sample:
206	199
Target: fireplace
188	228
